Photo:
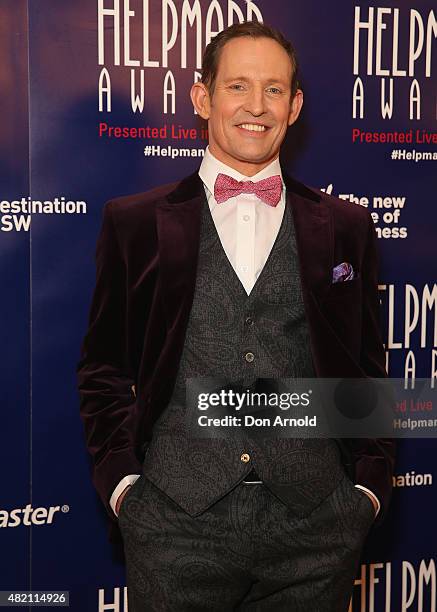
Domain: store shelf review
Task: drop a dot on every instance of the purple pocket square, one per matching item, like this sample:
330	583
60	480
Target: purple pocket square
343	272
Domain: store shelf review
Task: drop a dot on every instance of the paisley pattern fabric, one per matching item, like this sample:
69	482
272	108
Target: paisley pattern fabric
247	552
225	324
343	272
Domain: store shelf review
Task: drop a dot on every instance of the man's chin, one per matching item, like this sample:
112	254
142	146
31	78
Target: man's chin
246	155
253	157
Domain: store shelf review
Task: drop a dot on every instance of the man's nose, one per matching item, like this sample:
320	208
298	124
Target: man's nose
255	102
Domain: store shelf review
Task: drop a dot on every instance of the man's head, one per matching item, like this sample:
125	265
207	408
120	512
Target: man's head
249	94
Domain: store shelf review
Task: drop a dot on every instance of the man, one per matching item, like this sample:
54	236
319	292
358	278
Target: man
230	273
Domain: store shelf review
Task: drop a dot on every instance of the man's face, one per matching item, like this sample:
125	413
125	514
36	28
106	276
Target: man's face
249	111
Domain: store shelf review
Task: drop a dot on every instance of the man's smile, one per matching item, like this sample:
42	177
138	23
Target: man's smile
253	128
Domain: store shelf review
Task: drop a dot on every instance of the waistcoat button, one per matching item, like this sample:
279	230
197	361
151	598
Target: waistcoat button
245	457
249	357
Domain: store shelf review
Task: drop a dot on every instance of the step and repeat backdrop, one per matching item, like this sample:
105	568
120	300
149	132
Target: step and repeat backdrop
95	104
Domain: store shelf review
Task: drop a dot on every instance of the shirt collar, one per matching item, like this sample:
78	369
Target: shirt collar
211	167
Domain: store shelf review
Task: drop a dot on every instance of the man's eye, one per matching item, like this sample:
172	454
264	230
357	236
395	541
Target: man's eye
237	86
274	90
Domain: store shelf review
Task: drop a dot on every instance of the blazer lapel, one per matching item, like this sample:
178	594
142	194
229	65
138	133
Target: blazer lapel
178	227
314	236
314	227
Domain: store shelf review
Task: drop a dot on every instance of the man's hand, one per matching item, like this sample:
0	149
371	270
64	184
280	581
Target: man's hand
120	499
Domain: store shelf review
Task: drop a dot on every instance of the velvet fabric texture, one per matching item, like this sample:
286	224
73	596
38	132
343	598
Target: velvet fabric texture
146	260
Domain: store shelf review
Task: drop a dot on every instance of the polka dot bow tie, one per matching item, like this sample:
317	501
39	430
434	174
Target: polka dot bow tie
268	190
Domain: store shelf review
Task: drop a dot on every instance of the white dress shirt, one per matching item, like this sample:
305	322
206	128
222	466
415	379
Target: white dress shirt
247	228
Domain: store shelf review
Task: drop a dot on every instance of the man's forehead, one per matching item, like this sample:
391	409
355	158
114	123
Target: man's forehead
244	72
251	64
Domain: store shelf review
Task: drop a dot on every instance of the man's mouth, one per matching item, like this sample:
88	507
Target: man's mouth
253	127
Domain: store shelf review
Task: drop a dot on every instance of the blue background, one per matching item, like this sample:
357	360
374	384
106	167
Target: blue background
49	147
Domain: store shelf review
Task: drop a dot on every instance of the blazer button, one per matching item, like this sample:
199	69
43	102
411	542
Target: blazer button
249	321
249	357
245	457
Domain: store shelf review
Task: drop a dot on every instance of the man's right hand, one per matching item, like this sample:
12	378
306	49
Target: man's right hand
120	499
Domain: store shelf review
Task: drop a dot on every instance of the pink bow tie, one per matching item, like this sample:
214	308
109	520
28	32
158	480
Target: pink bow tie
268	190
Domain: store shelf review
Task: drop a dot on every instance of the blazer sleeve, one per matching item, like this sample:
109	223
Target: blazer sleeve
106	386
374	457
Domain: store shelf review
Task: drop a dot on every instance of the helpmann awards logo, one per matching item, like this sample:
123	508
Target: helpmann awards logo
393	587
180	31
394	49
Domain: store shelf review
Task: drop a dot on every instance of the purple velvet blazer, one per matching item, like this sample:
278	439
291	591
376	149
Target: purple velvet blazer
146	259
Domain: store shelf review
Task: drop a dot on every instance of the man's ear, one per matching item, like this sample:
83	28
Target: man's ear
296	106
200	98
